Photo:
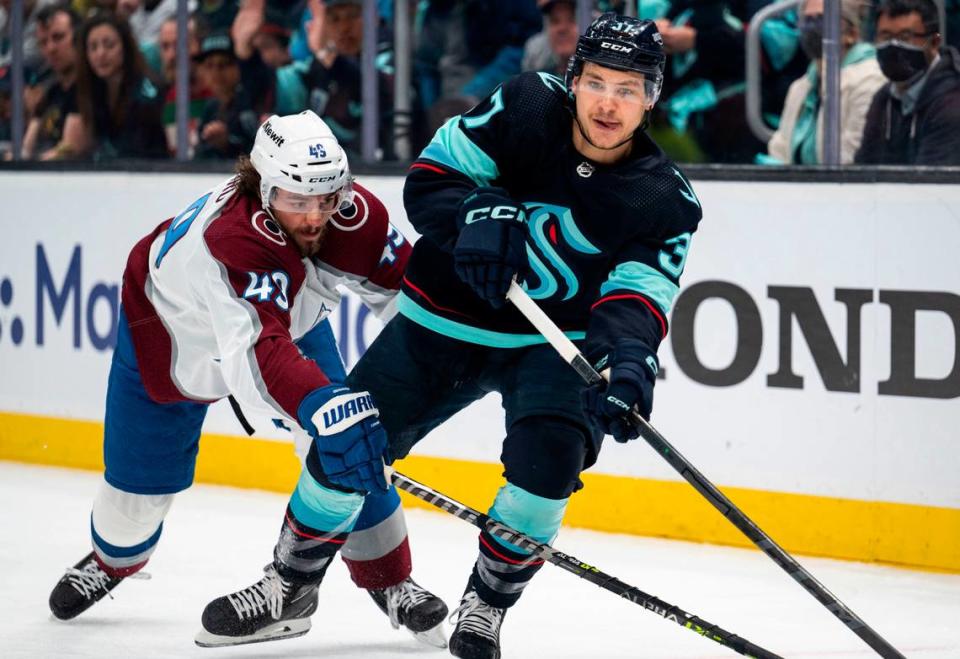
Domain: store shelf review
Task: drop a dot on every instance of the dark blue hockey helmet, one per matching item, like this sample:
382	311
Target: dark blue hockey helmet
623	43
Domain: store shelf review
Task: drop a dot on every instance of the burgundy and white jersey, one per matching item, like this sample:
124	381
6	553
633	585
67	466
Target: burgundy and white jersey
216	297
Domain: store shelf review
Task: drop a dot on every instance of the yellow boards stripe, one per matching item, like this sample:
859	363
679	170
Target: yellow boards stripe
902	534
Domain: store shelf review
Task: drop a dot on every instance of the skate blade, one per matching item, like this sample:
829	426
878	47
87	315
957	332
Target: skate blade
276	632
435	638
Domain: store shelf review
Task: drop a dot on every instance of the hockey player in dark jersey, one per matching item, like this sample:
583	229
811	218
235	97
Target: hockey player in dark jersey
556	183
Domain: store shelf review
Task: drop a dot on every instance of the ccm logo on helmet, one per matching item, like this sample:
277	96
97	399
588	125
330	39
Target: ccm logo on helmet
321	179
615	47
273	135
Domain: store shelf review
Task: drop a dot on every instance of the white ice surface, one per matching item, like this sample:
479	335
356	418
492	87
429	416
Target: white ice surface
217	539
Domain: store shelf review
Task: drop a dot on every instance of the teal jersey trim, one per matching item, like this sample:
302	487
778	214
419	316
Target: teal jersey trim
536	516
467	333
451	147
497	98
640	277
324	509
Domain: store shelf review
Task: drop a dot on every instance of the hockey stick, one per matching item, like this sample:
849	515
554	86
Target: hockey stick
568	351
579	568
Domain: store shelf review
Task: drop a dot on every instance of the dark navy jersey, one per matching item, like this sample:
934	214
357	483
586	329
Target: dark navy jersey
606	243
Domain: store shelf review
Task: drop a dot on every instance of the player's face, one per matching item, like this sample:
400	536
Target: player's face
105	51
610	107
304	217
55	39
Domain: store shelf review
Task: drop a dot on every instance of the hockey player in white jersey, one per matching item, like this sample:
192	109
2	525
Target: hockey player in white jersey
230	297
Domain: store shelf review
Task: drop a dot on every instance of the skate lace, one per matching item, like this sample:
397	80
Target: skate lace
266	594
405	595
477	617
91	578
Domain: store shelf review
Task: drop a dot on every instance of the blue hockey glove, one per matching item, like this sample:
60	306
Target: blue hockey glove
350	440
491	247
633	372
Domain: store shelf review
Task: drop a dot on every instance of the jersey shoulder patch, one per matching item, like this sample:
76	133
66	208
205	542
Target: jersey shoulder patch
356	236
677	204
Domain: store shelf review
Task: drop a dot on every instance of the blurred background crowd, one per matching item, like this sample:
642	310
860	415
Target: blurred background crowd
100	74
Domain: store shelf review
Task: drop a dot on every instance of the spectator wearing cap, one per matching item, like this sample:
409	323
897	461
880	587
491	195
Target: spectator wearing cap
329	80
799	138
333	78
231	117
915	118
550	49
55	31
120	108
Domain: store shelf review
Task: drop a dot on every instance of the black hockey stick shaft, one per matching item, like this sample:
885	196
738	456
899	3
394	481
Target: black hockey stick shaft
569	352
579	568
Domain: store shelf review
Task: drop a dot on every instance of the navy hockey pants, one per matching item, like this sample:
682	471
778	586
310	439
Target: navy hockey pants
419	379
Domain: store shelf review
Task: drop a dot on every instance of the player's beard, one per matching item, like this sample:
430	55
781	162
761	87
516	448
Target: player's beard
310	244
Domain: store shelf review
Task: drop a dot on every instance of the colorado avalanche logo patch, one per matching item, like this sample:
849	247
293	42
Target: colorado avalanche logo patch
268	228
353	216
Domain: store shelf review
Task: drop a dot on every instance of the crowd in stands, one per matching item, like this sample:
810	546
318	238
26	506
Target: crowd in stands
101	74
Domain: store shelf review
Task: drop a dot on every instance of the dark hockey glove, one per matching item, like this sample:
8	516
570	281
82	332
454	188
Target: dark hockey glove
633	372
491	247
349	438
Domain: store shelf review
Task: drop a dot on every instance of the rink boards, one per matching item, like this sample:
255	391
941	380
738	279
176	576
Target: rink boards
812	370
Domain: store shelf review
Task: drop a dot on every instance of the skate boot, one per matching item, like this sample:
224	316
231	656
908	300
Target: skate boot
269	610
416	608
81	587
477	635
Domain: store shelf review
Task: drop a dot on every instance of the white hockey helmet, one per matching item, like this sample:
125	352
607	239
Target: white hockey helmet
299	153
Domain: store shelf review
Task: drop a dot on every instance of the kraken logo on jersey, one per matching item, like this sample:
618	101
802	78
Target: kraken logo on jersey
543	222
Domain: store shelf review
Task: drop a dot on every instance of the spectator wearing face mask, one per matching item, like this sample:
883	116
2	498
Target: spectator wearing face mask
915	119
799	138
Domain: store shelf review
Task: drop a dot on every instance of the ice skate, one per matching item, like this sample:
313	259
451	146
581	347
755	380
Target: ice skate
418	610
477	635
269	610
82	586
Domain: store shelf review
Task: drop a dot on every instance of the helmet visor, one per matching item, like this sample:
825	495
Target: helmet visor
327	204
643	92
